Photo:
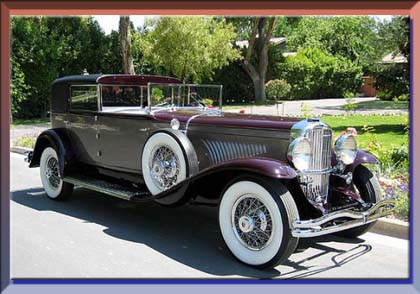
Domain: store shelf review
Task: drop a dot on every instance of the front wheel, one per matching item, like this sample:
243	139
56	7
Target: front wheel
51	180
255	219
370	191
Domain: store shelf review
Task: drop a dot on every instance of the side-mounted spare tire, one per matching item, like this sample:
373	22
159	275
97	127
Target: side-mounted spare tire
168	158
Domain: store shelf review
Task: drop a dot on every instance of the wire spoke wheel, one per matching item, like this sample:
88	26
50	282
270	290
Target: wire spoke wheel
51	179
252	223
52	172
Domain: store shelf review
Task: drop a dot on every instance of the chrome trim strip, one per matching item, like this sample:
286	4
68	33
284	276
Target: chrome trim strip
206	112
313	228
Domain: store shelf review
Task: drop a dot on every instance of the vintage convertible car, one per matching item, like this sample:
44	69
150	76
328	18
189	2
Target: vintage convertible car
152	138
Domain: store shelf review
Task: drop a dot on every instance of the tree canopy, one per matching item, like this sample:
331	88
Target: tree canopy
189	48
330	50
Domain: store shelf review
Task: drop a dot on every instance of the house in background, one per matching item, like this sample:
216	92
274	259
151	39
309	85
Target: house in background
368	89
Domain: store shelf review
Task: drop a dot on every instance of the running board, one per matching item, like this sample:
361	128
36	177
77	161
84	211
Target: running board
126	192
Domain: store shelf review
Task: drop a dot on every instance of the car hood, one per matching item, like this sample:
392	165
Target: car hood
228	119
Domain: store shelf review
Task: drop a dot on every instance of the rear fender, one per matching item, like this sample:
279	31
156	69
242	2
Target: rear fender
57	140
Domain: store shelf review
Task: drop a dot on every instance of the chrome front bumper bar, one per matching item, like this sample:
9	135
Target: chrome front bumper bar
348	217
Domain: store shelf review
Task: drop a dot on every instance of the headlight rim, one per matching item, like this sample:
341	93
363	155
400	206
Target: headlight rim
338	148
292	147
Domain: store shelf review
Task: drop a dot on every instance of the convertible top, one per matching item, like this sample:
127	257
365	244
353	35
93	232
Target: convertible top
60	87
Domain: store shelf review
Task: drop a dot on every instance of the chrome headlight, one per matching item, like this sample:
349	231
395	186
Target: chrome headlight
300	153
346	148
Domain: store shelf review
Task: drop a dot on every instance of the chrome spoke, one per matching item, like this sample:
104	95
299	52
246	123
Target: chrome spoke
252	222
164	167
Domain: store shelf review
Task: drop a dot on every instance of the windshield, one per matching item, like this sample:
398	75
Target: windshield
184	96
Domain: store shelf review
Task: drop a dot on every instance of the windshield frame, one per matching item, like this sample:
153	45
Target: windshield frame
179	85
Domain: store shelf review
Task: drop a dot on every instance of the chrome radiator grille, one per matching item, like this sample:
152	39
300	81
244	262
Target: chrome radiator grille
317	178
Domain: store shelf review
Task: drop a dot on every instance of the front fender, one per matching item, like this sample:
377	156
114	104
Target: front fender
265	166
363	156
57	140
214	178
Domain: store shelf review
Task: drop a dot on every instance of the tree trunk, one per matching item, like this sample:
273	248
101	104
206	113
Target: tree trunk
258	72
125	38
259	89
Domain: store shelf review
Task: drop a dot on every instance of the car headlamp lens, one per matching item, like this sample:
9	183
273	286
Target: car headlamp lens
300	153
346	148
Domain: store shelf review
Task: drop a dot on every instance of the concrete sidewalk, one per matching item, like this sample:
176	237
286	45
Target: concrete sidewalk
317	107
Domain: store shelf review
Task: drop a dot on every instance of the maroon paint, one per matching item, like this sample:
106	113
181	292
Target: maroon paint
363	156
231	119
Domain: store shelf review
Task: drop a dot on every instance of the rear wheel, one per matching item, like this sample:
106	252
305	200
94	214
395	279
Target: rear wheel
53	184
255	219
368	186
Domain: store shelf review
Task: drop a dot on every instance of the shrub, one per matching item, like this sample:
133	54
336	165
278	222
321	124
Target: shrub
392	81
207	101
277	89
315	74
350	104
26	141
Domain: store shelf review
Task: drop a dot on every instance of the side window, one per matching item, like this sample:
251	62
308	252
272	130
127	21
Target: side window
117	95
83	98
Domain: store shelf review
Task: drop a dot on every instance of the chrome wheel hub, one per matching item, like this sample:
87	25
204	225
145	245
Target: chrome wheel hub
52	172
246	224
164	167
251	221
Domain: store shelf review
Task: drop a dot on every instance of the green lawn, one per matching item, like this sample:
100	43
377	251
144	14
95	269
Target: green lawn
18	122
380	104
388	130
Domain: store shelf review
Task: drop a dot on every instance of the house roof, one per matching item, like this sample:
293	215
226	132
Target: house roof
275	41
394	58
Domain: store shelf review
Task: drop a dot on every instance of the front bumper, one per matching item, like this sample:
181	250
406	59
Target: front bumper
348	218
28	156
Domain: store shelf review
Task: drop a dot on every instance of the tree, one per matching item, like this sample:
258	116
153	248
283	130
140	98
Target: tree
256	66
189	48
125	38
45	48
354	38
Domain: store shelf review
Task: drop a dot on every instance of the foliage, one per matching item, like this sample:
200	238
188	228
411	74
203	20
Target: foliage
26	141
396	187
237	85
157	96
207	102
189	48
45	48
353	38
392	81
277	89
394	36
350	105
315	74
306	110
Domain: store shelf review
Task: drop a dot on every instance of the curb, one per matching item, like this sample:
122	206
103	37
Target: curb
392	228
388	227
20	150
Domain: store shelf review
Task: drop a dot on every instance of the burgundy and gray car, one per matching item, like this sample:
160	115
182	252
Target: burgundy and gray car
152	138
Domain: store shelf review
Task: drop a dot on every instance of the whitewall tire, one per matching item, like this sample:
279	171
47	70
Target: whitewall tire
163	163
51	180
254	219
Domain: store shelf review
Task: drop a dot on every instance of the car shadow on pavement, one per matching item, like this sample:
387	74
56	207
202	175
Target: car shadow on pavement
187	234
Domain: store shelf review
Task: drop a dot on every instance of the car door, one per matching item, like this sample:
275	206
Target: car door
81	122
123	126
121	140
